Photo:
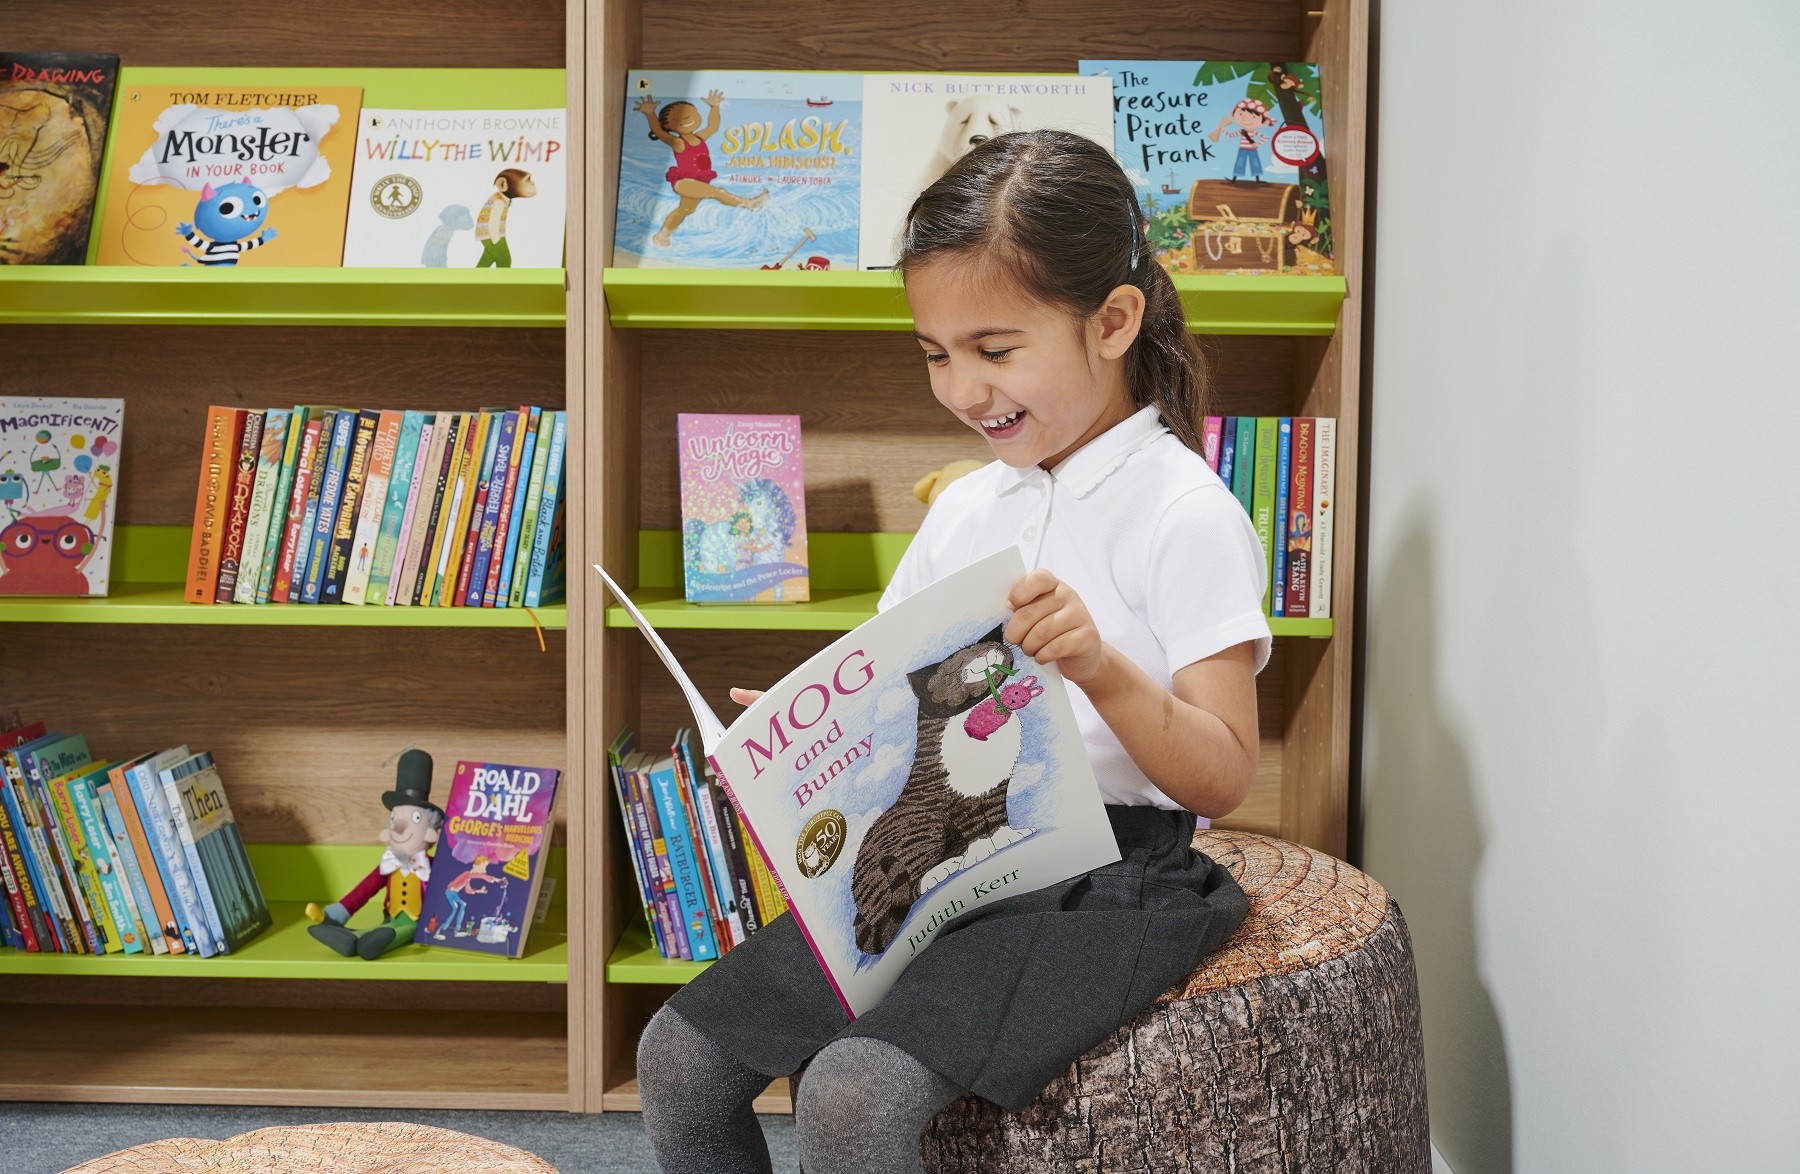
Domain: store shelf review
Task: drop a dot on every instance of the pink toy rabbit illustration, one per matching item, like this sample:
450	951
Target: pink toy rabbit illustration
989	716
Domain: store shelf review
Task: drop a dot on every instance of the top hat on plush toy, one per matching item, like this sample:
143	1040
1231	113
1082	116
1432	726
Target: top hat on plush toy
412	783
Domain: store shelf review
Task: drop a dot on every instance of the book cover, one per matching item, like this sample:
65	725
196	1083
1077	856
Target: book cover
103	931
331	492
739	865
23	851
739	169
393	514
534	498
223	175
915	769
1210	442
1262	513
743	508
709	889
280	511
172	778
446	544
456	538
487	510
443	497
428	489
383	445
405	544
40	762
622	745
922	123
349	506
1228	450
158	883
699	792
1283	469
271	450
148	792
1299	514
131	874
215	849
290	567
237	507
512	509
59	463
1324	495
684	860
553	582
490	859
54	109
103	855
541	587
20	898
1243	475
1228	159
664	898
458	189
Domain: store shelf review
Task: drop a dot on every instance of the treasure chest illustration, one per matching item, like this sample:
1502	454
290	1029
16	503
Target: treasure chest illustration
1248	226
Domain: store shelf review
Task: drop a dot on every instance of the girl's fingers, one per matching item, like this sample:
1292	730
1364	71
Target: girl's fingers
746	696
1034	584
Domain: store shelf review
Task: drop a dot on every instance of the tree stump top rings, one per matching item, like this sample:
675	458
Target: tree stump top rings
349	1147
1306	908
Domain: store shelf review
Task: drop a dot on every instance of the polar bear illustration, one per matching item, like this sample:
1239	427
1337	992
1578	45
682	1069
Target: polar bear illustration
969	121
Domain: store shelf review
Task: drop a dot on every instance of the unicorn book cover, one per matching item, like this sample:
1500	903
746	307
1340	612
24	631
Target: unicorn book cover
59	461
743	508
917	769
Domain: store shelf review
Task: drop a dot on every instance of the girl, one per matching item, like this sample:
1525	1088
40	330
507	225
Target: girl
678	128
1049	328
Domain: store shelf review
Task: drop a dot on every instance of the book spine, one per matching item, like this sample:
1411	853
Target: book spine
1283	469
349	507
309	521
212	503
1243	475
111	880
456	537
143	907
478	544
638	869
184	831
331	494
709	891
39	893
440	482
103	930
159	824
1227	449
1324	497
1299	535
740	864
150	865
61	863
1209	442
412	522
444	511
243	487
534	497
769	897
382	446
512	508
1263	513
305	490
393	513
553	481
271	442
720	861
19	893
281	513
667	899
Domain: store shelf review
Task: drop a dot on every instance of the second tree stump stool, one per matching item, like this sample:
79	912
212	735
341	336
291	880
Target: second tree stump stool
1294	1048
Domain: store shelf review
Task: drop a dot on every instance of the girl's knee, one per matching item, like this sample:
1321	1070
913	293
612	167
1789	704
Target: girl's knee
668	1052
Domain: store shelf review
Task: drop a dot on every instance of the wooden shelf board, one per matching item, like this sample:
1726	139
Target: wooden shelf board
621	1095
795	299
636	959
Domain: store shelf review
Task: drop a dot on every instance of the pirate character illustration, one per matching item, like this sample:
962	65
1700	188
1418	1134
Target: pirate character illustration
413	826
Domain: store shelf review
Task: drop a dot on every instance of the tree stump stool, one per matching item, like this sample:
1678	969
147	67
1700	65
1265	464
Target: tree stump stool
1294	1048
348	1147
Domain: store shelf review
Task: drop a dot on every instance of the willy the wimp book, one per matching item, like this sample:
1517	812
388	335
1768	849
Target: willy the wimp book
918	768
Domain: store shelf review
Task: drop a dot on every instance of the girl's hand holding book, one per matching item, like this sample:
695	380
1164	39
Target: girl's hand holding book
746	697
1051	624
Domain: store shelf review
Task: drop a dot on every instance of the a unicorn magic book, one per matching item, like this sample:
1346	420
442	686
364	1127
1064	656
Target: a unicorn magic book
917	769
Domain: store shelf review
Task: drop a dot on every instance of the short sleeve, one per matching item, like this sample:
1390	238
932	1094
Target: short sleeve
1206	580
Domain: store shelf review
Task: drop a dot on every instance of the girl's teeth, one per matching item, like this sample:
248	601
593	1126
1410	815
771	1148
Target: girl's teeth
1001	421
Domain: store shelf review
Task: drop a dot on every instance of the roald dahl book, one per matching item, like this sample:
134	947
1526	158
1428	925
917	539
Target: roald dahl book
53	115
743	508
489	863
917	768
59	463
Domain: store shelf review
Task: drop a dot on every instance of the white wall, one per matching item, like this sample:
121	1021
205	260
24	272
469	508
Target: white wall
1583	677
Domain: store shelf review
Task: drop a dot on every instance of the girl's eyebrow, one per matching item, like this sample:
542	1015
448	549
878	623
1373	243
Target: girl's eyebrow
974	335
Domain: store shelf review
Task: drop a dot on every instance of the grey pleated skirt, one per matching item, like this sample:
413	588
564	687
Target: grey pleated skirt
1008	995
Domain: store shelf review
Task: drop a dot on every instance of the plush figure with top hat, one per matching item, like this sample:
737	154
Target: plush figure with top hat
413	824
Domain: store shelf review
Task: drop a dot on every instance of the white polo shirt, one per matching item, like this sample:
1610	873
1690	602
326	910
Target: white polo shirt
1157	547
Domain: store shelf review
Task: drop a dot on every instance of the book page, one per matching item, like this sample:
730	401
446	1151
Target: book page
711	731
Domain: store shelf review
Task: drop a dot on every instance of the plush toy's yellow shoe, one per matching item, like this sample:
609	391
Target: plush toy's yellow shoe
314	913
934	482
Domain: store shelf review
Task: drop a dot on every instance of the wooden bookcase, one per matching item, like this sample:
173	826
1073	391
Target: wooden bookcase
832	351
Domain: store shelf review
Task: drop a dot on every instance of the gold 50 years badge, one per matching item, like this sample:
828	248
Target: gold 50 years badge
820	842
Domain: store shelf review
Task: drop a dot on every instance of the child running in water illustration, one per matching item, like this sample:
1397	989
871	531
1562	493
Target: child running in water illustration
678	127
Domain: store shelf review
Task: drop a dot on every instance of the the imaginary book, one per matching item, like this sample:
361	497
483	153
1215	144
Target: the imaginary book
489	863
739	169
53	117
743	508
59	463
458	189
1229	162
917	769
219	176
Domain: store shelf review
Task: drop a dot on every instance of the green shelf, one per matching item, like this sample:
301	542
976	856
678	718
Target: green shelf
635	959
799	299
290	876
150	563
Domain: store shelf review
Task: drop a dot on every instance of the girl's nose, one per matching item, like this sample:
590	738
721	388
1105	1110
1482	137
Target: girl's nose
966	387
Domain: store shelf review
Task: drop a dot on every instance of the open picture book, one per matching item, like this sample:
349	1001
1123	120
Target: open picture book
914	770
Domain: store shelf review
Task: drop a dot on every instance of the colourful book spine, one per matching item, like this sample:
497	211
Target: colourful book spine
512	514
1283	463
1227	450
689	881
439	485
459	543
740	865
709	892
393	511
309	520
243	487
33	879
137	828
770	902
38	763
343	526
146	788
282	516
448	538
383	446
718	861
639	814
108	867
615	758
1299	515
406	548
1243	473
269	450
331	495
133	875
21	895
487	508
1324	505
534	498
535	593
1262	512
171	780
1209	442
282	590
104	934
224	432
667	900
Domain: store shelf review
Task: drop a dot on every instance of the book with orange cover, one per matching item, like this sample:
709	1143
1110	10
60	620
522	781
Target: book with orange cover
212	505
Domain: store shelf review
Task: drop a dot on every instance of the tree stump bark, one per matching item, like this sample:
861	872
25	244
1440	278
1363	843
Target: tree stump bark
1294	1048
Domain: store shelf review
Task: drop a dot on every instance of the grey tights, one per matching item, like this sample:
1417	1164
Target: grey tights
861	1107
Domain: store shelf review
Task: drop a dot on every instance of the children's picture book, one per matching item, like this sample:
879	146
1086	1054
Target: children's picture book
1229	162
59	464
922	123
224	175
458	189
490	859
917	768
739	169
214	846
53	116
743	508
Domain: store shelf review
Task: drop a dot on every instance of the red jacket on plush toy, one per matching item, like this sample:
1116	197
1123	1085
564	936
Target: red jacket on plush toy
401	875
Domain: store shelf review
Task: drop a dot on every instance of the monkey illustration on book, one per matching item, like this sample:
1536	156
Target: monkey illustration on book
951	814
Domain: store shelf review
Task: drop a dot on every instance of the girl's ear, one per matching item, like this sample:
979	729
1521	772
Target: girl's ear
1119	320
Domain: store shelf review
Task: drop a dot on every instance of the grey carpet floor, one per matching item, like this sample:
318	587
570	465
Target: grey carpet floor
49	1138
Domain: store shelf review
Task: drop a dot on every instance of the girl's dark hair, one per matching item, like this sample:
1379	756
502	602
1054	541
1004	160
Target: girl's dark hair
662	116
1054	213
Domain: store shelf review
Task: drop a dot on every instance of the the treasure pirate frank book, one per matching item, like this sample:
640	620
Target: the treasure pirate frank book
915	770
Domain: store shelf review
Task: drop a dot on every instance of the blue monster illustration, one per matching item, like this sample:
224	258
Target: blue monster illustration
225	223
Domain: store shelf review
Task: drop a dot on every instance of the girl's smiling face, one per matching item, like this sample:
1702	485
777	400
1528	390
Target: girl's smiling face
1032	380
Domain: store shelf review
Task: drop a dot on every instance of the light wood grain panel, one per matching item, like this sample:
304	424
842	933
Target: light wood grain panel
392	995
622	1095
393	33
299	721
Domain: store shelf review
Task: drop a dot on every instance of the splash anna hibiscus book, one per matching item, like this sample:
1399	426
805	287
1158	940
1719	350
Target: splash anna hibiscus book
921	728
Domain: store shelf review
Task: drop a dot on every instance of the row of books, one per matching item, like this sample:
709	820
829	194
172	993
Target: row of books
704	885
140	856
340	505
1283	470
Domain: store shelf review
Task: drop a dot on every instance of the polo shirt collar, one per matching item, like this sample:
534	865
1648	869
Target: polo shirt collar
1082	471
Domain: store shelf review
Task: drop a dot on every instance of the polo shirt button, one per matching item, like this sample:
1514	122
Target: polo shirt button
1030	532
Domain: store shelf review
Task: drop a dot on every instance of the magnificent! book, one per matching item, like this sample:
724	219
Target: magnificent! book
53	114
489	863
223	175
917	768
1228	158
739	169
458	189
59	462
743	508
